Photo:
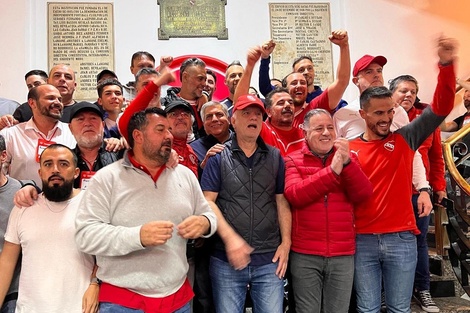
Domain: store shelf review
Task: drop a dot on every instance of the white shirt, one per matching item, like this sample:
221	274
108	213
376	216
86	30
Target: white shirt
22	143
54	273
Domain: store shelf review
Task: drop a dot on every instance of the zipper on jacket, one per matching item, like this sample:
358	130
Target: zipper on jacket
251	206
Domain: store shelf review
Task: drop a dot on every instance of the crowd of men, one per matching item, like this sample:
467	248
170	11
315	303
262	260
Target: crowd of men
151	202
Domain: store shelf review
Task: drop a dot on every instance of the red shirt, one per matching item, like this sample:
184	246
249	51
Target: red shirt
286	141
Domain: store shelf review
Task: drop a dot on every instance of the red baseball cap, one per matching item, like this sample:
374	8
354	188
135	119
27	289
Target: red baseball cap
367	60
247	100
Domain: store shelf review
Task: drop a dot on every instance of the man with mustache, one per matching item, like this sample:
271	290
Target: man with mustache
140	215
26	141
44	235
193	81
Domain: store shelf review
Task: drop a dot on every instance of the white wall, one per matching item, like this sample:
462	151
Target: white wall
404	33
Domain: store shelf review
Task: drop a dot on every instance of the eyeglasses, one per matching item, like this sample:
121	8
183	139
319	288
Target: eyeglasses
183	114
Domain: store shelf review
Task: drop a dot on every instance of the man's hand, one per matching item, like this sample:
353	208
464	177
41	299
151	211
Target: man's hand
25	196
193	227
113	144
217	148
90	300
267	48
238	252
253	55
156	233
446	49
165	62
7	121
173	160
341	156
424	204
201	101
339	37
282	255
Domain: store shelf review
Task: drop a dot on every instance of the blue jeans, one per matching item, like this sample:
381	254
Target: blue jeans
229	287
106	307
422	275
321	284
388	257
9	307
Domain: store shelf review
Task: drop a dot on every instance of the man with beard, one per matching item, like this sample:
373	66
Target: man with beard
385	224
139	216
297	85
193	81
233	75
464	119
180	116
44	235
26	141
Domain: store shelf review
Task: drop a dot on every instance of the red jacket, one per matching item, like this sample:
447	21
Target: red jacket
322	203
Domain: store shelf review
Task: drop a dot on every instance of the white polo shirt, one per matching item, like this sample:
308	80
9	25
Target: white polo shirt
22	144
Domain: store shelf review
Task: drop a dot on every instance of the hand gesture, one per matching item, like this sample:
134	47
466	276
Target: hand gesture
339	37
267	48
446	49
156	233
341	156
165	62
193	227
217	148
7	121
253	55
25	196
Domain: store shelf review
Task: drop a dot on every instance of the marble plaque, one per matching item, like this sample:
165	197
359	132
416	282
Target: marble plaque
81	35
302	29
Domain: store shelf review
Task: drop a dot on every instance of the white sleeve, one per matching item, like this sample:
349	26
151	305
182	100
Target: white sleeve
419	172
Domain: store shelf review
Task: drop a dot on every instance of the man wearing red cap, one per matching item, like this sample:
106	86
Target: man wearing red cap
367	72
244	185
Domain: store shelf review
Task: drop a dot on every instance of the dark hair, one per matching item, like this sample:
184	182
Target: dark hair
302	57
374	93
140	54
108	82
139	120
234	62
3	146
36	72
145	71
190	62
284	80
268	100
33	93
276	79
212	73
56	146
400	79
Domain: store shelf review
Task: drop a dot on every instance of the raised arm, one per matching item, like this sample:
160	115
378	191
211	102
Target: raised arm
243	85
337	88
264	81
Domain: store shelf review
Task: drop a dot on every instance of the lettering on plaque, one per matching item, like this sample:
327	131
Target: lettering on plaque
302	29
81	35
192	18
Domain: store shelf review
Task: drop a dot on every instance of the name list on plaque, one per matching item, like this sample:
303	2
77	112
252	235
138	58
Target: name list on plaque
81	35
302	29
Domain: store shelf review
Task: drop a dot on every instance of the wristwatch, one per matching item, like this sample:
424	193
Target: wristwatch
426	189
95	280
